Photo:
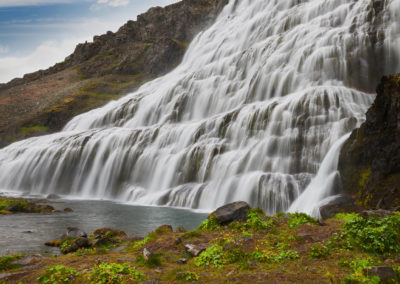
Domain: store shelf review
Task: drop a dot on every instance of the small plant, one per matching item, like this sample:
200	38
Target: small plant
298	219
187	276
213	255
191	234
6	261
319	251
358	266
58	274
114	273
373	235
210	224
255	220
143	242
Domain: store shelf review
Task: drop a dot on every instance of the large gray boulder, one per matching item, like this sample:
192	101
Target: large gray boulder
232	212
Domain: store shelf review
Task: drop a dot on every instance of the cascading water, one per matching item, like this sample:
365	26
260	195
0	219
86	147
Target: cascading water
260	101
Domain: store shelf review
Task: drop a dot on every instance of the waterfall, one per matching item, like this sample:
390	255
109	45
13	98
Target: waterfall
260	101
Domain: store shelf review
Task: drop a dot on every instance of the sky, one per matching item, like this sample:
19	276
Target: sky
36	34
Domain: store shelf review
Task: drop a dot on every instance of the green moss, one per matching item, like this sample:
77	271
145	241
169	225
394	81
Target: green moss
32	129
6	261
210	224
364	175
298	219
21	204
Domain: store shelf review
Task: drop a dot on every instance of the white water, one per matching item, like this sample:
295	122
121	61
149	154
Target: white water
260	99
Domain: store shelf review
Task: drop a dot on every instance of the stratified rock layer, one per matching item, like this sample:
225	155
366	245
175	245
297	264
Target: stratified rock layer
370	159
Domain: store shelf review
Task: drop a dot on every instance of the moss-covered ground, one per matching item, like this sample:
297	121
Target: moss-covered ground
285	248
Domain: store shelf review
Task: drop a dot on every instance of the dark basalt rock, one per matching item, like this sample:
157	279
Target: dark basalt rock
341	204
75	233
232	212
385	273
370	160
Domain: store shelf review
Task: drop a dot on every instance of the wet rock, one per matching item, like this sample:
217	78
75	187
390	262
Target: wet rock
16	207
385	273
75	233
164	229
82	242
68	210
369	160
28	260
380	213
5	212
195	250
341	204
232	212
56	243
53	196
109	232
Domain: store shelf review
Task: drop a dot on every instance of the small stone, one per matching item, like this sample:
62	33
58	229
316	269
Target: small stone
195	250
182	261
68	210
385	273
147	253
75	233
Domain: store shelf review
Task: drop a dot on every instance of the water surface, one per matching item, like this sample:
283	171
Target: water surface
27	233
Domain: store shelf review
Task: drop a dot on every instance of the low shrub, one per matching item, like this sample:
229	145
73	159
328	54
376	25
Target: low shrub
297	219
373	235
58	274
114	273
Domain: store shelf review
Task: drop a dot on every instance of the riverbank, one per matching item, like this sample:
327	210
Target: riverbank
283	248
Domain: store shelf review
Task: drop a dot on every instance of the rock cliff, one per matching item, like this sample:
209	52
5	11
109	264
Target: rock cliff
370	159
97	72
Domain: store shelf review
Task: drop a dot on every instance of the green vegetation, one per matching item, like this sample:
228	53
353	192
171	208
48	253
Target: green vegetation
187	276
210	224
280	248
33	129
320	250
114	273
6	203
298	219
58	274
6	261
373	235
214	255
358	267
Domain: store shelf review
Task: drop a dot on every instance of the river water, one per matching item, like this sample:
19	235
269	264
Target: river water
27	233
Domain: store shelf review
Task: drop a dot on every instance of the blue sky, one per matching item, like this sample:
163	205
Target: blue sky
35	34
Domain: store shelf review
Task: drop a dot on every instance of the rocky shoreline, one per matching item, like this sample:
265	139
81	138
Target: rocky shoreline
235	244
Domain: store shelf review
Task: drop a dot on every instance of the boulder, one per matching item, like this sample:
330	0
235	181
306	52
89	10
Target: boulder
53	196
195	250
385	273
109	232
147	253
380	213
75	233
231	212
341	204
164	229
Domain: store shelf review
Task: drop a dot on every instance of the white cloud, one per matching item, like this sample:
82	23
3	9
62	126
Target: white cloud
44	56
114	3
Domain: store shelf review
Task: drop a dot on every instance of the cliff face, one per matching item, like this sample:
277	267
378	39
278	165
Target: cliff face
102	70
370	159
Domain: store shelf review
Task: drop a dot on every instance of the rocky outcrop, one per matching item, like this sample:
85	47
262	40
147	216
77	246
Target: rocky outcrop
232	212
102	70
370	159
